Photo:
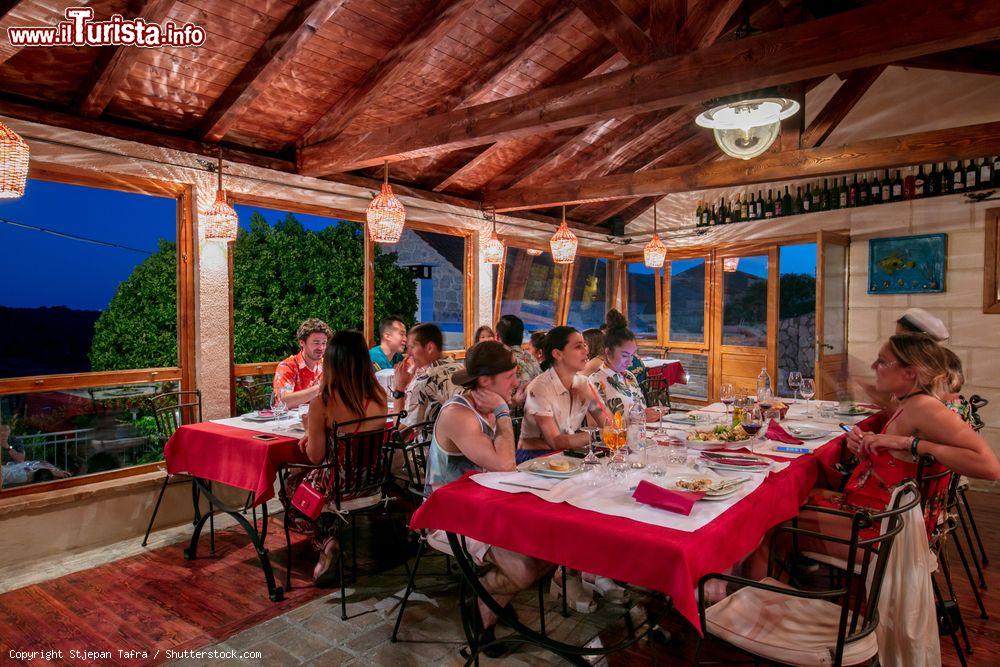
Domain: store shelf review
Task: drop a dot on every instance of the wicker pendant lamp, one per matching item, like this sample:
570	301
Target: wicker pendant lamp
493	246
563	243
220	220
534	252
655	252
386	214
13	163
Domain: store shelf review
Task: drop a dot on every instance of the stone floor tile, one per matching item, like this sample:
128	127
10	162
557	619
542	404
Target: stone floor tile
370	638
301	643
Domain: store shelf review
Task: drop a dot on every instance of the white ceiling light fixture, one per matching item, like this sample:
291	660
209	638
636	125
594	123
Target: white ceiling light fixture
746	128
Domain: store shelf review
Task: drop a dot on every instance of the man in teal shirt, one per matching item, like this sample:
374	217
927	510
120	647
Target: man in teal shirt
392	340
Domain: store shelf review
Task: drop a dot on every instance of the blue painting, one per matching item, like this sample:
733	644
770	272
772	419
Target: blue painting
907	264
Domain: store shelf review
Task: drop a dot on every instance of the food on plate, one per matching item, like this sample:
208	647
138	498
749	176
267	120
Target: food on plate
559	465
721	433
694	484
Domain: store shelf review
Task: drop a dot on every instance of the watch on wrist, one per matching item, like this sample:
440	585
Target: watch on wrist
397	394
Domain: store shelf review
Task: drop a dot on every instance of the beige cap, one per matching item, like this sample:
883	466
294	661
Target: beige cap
920	321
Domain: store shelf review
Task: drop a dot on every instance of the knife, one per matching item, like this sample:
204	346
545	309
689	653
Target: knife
526	486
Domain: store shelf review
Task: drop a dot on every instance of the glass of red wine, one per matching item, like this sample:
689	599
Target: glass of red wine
753	421
727	394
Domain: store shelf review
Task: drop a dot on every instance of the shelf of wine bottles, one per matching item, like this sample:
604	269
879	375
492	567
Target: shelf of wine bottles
865	189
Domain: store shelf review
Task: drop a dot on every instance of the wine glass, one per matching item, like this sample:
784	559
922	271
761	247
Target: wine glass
794	382
808	390
727	394
765	398
591	458
278	406
753	421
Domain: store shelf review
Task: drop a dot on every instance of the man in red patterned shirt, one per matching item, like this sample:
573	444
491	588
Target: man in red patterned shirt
296	379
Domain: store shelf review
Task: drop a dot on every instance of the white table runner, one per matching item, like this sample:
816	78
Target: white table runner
290	427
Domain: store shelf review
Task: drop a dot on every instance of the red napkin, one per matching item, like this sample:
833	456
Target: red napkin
776	432
680	502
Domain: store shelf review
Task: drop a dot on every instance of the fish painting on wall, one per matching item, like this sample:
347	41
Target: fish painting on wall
907	264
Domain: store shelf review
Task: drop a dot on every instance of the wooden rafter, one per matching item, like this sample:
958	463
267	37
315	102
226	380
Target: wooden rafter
666	17
849	94
110	71
787	55
291	35
438	22
958	143
619	29
968	60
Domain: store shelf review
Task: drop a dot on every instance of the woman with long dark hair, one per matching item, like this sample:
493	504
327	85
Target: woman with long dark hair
349	392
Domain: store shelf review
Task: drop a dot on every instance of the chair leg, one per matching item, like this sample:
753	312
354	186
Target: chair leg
354	548
541	605
409	589
288	552
211	527
951	630
975	529
946	571
447	564
156	508
968	573
964	525
340	568
565	597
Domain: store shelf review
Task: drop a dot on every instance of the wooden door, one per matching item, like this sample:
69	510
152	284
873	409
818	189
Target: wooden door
832	261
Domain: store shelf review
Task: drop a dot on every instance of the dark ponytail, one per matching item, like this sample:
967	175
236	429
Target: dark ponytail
614	320
555	339
616	337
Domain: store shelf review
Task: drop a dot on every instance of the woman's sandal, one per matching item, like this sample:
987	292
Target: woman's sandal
327	557
580	604
606	588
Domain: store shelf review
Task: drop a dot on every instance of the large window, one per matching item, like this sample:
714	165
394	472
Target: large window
589	294
89	312
642	300
796	313
744	307
531	288
687	300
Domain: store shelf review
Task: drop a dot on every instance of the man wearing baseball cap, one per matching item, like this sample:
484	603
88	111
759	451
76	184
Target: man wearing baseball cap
473	432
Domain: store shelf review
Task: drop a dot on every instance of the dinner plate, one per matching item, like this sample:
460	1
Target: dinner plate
683	418
673	483
807	432
540	466
717	444
855	412
260	416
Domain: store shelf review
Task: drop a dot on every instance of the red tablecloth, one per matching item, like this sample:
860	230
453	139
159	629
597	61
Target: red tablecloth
673	372
661	559
230	456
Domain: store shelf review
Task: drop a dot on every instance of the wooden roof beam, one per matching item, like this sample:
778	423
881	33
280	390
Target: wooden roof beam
110	71
442	18
791	54
849	94
968	61
291	35
958	143
666	18
619	29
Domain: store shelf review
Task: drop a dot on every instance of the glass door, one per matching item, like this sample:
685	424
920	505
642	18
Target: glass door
832	258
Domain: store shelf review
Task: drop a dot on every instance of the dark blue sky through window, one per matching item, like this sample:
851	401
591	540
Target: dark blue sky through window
38	269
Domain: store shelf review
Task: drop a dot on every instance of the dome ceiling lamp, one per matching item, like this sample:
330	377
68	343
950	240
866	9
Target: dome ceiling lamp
13	163
655	252
386	214
745	128
563	243
220	220
493	247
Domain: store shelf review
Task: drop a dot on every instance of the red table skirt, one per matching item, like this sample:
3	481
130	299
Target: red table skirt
230	456
661	559
673	372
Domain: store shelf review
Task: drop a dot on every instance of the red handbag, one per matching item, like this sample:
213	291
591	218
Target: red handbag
308	500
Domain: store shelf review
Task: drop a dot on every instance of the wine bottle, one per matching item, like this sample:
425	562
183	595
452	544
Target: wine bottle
971	175
738	209
864	191
745	206
958	177
807	200
760	205
897	187
797	202
886	194
786	203
824	196
835	195
919	183
713	218
699	212
986	173
852	193
933	185
769	205
844	193
729	212
876	190
996	169
947	179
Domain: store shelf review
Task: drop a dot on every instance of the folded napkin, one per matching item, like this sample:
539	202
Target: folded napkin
680	502
776	432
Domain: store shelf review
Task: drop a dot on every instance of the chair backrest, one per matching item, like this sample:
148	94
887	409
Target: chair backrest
859	606
656	388
977	403
361	455
415	442
938	488
173	408
516	419
257	394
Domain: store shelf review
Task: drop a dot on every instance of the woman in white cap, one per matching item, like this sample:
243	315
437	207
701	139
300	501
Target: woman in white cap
918	320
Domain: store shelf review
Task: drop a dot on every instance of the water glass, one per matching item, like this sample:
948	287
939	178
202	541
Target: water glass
657	459
278	406
676	452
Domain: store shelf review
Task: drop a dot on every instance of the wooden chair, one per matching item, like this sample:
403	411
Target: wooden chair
359	473
170	410
656	388
834	626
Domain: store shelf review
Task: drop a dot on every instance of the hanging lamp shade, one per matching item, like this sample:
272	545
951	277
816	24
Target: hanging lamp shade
563	243
492	248
655	252
220	220
730	264
386	214
533	252
13	163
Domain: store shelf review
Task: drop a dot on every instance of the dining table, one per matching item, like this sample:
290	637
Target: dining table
239	452
642	546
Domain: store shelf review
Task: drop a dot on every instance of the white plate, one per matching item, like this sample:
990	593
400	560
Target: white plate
856	412
716	444
683	418
807	432
671	483
257	417
540	466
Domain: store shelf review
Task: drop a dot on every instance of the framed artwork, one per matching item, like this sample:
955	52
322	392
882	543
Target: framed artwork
907	264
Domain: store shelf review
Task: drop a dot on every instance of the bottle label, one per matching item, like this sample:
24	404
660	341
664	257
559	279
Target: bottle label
970	179
897	190
984	173
805	204
843	200
885	193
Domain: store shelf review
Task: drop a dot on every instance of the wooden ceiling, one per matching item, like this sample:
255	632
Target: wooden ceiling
500	100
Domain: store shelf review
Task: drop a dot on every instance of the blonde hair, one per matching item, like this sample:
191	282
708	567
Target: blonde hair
956	378
926	358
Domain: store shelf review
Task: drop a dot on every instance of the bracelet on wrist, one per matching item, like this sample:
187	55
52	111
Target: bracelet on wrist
913	448
501	411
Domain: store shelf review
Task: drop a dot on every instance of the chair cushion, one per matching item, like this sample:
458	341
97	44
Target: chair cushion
786	629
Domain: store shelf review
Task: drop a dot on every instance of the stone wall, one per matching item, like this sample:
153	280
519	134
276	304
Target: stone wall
796	349
447	281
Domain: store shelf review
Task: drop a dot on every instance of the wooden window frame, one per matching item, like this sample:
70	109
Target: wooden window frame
184	373
991	263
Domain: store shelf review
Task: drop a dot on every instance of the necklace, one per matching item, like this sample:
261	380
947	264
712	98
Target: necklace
912	393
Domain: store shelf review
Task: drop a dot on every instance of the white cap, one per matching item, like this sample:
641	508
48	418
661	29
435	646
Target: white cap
918	319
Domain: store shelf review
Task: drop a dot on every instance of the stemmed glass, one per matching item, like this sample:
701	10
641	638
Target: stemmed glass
727	394
591	457
795	381
753	421
278	406
808	390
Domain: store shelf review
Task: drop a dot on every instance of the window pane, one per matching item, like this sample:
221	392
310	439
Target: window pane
642	300
588	301
796	313
696	373
744	308
531	287
75	432
438	265
687	300
100	293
